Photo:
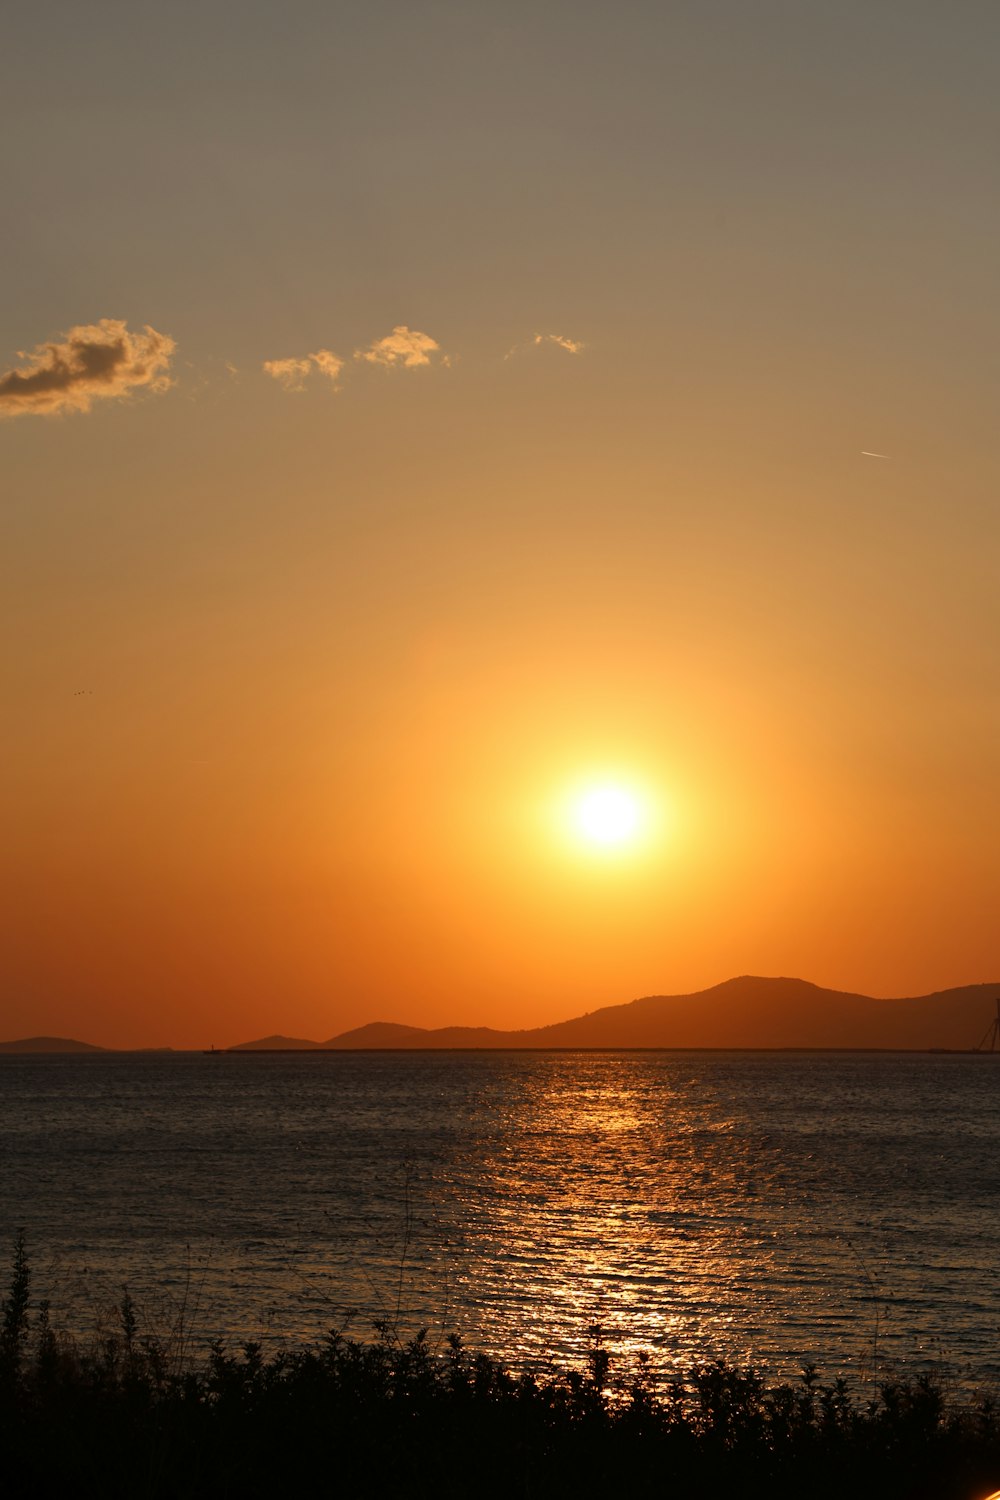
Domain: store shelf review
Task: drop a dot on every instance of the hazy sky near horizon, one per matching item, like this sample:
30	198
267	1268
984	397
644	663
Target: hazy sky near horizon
414	411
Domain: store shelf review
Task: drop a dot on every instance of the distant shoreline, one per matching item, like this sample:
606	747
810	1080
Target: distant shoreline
241	1051
350	1051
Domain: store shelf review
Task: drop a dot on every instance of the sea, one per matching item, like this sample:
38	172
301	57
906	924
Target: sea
837	1209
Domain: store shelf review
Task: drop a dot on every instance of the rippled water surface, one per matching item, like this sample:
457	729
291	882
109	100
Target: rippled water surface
786	1207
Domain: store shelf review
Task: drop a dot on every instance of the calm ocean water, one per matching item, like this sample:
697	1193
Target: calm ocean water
784	1207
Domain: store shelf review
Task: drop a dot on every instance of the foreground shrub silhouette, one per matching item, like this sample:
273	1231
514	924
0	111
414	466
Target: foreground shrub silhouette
345	1417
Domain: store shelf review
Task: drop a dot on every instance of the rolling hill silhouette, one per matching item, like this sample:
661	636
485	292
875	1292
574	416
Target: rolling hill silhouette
49	1044
277	1044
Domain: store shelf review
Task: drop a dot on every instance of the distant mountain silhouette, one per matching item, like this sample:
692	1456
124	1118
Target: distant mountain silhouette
744	1013
276	1044
748	1012
49	1044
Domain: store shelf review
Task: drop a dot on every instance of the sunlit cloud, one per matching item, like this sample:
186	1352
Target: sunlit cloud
403	348
327	364
538	340
293	373
92	362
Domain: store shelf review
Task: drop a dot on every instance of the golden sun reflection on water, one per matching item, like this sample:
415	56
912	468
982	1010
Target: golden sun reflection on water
596	1230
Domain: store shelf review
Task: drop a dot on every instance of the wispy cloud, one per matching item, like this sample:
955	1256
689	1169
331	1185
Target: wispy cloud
538	340
403	348
92	362
293	373
572	346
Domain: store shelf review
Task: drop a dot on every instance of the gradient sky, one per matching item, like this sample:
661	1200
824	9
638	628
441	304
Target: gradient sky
582	323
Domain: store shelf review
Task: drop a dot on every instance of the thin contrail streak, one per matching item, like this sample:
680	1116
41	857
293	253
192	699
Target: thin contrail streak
867	453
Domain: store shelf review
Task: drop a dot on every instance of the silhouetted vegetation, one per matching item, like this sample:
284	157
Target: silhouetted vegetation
128	1417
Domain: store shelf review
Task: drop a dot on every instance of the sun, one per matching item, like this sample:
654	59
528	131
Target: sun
607	815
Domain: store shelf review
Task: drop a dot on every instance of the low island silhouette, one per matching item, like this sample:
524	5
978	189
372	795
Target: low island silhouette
746	1013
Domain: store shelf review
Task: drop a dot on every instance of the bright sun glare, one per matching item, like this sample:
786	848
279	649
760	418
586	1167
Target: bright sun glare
607	815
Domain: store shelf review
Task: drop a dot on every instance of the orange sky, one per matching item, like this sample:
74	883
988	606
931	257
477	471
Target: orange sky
417	418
